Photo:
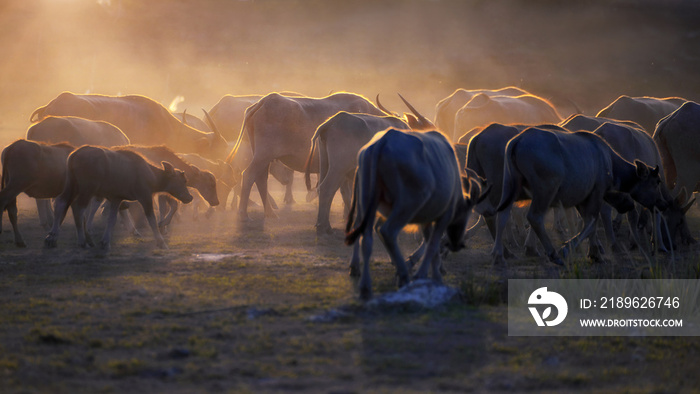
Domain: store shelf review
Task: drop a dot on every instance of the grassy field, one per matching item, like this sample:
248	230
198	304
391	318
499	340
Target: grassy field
270	307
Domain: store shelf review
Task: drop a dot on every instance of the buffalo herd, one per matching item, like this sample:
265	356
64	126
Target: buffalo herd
499	153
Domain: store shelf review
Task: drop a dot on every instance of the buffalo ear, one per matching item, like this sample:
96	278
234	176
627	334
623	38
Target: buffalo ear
167	167
412	120
642	169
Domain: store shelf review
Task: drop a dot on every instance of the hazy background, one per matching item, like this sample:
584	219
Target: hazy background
586	52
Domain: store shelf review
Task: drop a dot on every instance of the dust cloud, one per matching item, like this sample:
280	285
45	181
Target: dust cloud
581	54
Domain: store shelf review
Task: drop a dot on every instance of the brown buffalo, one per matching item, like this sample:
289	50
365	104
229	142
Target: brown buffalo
115	175
228	116
281	128
143	120
407	177
483	110
34	168
646	111
201	180
547	164
225	176
76	131
447	108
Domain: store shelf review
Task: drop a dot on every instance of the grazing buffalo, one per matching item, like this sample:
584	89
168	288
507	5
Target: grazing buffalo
225	176
631	143
229	112
339	139
228	115
143	120
485	154
408	177
447	108
678	140
646	111
76	131
201	180
280	127
34	168
579	122
483	110
575	170
115	175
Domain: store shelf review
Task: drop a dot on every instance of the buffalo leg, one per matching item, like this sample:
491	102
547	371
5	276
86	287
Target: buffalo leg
257	172
8	201
365	278
166	200
12	215
432	255
43	207
261	183
501	223
60	209
389	232
609	227
79	219
147	204
111	221
355	260
326	191
535	216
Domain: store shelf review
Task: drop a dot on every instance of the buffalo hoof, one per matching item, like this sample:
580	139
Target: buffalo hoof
271	215
401	281
50	241
105	246
20	244
354	271
508	254
365	293
323	229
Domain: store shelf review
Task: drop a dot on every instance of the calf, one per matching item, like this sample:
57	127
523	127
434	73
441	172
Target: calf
203	181
409	177
575	170
77	132
34	168
115	175
225	176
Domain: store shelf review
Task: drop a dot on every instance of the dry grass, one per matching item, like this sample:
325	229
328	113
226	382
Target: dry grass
181	320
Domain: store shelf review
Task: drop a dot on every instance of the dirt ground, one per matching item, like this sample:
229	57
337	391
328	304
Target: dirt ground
269	306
